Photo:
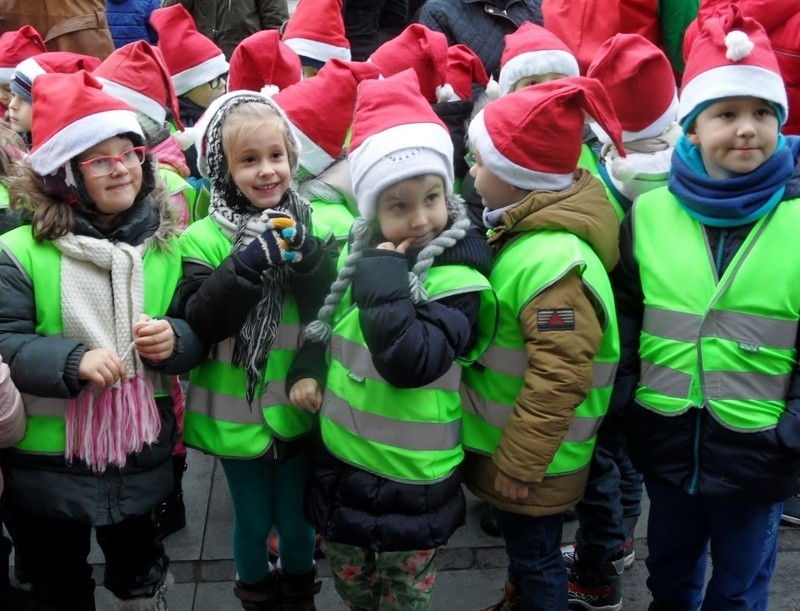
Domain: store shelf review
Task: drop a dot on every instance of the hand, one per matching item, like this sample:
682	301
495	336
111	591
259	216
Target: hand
154	339
102	368
294	242
306	395
509	488
402	247
264	251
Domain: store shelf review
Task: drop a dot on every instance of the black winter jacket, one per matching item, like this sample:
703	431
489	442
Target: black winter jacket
47	366
411	346
480	24
693	451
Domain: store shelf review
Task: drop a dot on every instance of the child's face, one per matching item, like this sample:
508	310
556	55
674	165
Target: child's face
5	94
19	114
259	164
495	193
735	135
535	79
112	193
413	210
204	94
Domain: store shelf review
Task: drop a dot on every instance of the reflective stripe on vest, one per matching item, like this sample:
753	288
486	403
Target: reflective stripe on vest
723	343
405	434
490	393
218	418
41	263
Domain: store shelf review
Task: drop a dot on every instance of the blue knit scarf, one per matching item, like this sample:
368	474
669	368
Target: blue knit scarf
734	201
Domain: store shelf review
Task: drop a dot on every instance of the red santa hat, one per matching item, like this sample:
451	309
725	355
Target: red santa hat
71	113
416	47
322	138
532	138
316	30
464	68
137	74
192	59
731	56
261	60
396	136
62	62
17	46
533	50
639	80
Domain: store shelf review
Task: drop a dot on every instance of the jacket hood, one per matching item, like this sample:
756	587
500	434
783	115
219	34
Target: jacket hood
582	210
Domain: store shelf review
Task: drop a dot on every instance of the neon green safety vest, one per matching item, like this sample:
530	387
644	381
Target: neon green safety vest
3	196
723	343
218	418
588	160
409	434
523	269
41	262
333	215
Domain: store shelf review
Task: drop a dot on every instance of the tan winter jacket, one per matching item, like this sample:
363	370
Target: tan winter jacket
559	373
12	413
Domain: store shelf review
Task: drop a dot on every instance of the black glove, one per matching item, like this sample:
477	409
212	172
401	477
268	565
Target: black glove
295	242
264	251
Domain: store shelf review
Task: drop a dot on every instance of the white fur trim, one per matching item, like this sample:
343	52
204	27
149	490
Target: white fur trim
199	74
80	135
321	51
138	101
185	139
492	91
142	604
731	81
622	169
505	169
446	93
738	44
5	75
534	63
313	158
269	90
29	68
655	129
409	135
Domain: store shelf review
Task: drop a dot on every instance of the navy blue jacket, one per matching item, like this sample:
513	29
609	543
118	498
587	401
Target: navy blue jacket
128	20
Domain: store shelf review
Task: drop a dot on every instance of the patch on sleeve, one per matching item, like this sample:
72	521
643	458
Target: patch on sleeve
555	319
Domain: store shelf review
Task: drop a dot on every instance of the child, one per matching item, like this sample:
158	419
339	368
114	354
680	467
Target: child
247	296
386	492
15	46
19	107
709	306
80	284
532	410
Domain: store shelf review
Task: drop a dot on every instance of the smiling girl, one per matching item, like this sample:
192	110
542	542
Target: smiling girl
81	285
252	275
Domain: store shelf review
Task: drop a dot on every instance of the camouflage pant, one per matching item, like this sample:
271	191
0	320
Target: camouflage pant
382	581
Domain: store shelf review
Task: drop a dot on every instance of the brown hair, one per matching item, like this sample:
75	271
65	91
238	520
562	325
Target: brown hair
50	217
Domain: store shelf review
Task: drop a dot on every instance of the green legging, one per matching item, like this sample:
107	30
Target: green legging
265	495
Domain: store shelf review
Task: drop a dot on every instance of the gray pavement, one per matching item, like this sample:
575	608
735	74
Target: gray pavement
472	565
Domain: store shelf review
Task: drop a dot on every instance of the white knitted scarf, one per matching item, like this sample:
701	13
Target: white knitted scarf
102	295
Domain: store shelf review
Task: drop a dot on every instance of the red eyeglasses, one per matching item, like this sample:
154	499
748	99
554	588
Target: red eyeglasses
103	165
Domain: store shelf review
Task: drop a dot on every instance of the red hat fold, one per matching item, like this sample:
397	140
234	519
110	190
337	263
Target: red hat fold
261	60
464	68
17	46
191	57
137	74
532	138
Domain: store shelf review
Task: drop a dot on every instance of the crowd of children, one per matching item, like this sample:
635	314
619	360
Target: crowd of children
270	261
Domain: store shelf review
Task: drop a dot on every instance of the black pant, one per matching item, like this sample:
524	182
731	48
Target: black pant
58	552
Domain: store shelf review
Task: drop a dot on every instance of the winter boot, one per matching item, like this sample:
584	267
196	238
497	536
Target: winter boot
264	595
595	587
156	602
169	516
510	602
298	590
